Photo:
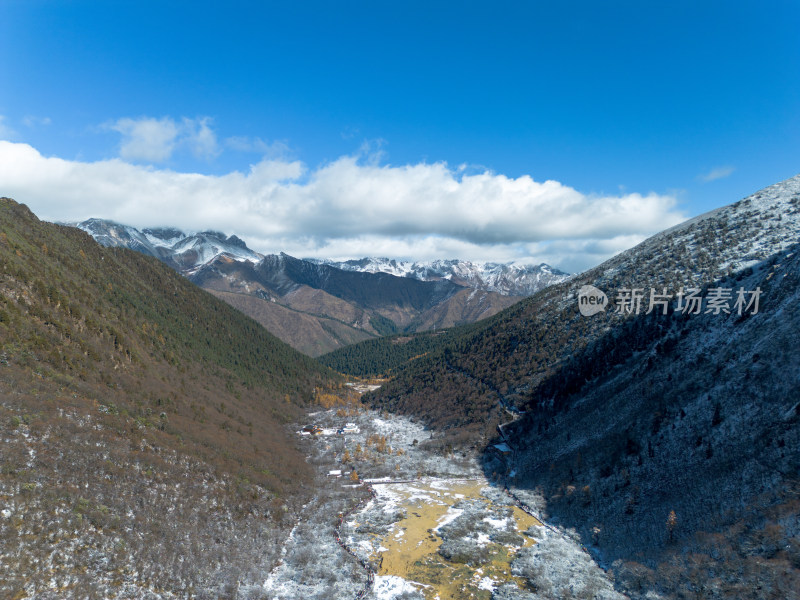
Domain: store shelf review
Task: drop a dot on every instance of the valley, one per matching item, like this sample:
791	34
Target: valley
157	443
399	301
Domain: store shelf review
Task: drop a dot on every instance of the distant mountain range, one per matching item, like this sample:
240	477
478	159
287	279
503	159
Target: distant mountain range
318	306
187	252
504	278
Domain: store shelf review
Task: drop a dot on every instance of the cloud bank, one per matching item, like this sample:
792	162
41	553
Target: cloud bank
351	207
154	140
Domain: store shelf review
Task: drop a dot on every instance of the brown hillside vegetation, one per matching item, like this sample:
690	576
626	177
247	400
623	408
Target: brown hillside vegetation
142	424
311	334
336	308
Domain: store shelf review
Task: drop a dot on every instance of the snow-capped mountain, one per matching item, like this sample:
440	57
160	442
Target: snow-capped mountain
185	252
111	234
508	279
188	252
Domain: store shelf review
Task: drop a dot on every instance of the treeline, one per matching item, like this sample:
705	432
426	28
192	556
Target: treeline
381	357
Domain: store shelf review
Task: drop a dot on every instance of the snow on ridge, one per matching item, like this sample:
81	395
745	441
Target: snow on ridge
512	278
161	241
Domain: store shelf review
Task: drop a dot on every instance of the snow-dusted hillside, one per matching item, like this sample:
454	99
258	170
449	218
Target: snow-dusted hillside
113	235
505	278
668	438
715	244
183	251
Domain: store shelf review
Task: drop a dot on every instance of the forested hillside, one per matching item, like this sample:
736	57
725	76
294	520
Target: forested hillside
671	442
499	362
135	407
382	356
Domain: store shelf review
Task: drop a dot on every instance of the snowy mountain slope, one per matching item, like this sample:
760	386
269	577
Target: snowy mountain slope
182	251
201	248
669	440
163	236
114	235
508	279
532	338
188	252
719	242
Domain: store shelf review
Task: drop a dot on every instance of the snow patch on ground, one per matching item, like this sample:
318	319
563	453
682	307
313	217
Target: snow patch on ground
497	523
388	587
451	515
487	583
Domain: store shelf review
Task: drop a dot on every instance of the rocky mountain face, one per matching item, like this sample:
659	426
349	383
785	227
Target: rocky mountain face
142	425
314	307
504	278
181	251
669	440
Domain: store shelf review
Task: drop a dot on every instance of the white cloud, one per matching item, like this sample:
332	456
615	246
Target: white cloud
200	138
346	208
155	140
716	173
146	139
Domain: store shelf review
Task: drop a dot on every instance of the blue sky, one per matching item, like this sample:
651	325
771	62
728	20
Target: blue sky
291	117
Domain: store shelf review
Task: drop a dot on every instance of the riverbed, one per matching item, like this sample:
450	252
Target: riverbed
396	518
455	539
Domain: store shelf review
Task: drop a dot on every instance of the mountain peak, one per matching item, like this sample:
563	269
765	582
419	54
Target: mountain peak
184	252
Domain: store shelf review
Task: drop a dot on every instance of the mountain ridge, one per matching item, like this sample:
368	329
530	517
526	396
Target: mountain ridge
509	278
